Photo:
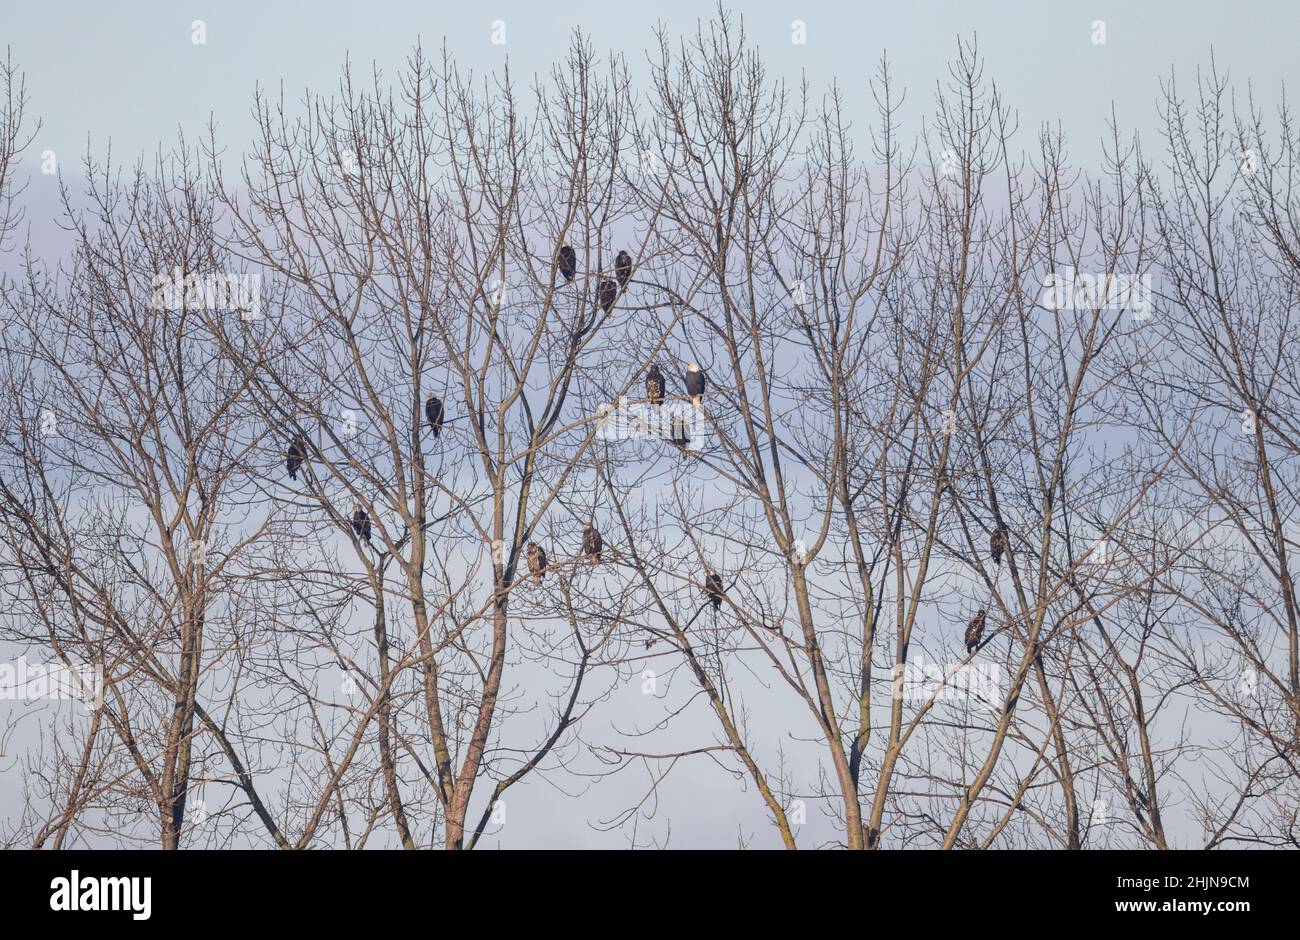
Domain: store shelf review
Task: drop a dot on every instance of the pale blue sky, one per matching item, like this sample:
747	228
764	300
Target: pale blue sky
129	73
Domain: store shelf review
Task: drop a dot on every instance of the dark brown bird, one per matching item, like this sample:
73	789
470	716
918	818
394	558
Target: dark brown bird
592	543
623	269
999	544
537	560
975	632
713	587
606	294
296	455
680	439
567	262
695	385
654	385
361	524
434	414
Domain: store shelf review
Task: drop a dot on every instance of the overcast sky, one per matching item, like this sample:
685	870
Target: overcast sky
130	73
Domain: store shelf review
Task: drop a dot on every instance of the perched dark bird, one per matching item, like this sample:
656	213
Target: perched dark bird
592	543
681	440
623	269
695	385
975	632
537	560
433	413
998	544
713	587
654	385
606	294
296	455
567	262
361	524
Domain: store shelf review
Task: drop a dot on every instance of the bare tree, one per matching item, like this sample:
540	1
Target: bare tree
368	470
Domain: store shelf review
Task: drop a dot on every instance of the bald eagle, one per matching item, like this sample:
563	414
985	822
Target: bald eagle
567	262
998	544
623	269
606	294
713	587
695	385
361	524
654	385
975	632
433	413
537	560
296	455
592	543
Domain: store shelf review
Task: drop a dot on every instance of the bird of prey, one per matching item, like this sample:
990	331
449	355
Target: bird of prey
361	524
296	455
433	413
623	269
567	262
654	385
695	385
713	587
592	543
998	544
537	560
975	632
606	294
681	440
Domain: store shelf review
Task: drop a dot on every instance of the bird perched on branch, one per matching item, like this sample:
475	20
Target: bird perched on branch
654	385
713	587
433	413
297	453
695	385
361	524
999	544
975	631
537	560
680	439
606	294
567	262
592	543
623	269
